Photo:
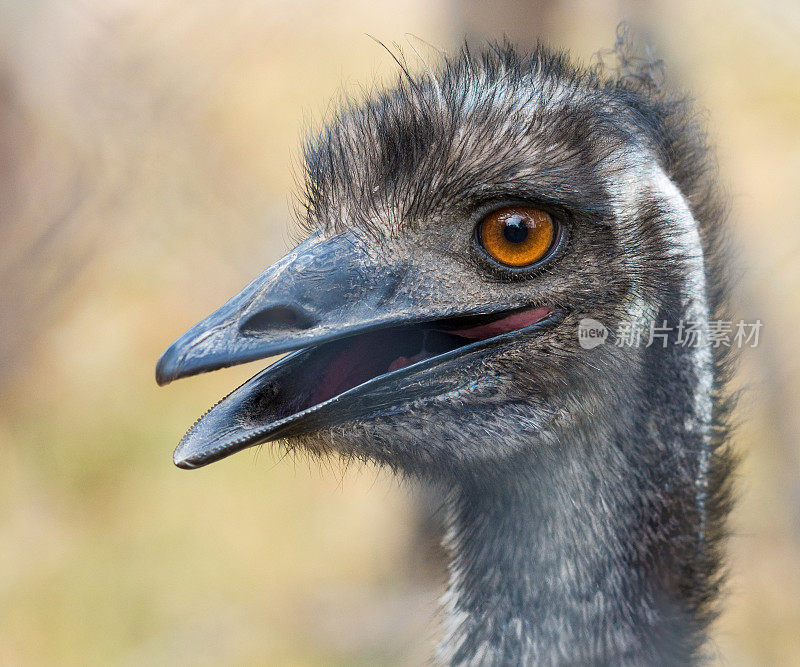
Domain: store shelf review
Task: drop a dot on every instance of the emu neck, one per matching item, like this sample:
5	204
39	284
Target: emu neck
591	549
562	567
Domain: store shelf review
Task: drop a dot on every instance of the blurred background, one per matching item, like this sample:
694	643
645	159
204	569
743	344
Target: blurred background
147	153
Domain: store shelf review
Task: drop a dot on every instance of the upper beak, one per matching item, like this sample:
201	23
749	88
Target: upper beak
320	291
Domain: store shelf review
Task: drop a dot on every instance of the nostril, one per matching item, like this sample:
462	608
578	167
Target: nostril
276	317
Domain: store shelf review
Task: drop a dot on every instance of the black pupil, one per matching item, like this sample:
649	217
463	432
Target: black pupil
515	230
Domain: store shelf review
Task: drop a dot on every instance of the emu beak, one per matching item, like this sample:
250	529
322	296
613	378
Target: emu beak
367	336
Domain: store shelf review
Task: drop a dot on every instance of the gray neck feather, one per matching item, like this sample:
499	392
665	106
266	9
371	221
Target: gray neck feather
577	557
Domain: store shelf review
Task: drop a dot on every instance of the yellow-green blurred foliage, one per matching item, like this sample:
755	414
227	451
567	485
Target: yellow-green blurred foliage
147	152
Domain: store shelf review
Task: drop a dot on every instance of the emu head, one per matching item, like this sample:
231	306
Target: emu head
460	226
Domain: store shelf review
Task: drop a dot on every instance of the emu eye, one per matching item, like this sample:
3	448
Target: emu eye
517	236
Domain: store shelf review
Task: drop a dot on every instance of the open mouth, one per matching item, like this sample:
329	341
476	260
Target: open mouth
347	363
350	377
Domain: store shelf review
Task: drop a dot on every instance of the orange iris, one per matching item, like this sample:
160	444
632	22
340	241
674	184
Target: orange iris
517	235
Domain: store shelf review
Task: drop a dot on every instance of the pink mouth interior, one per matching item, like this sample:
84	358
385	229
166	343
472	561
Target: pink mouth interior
503	325
360	358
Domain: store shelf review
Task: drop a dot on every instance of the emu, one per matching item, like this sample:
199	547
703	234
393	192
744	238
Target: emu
459	227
